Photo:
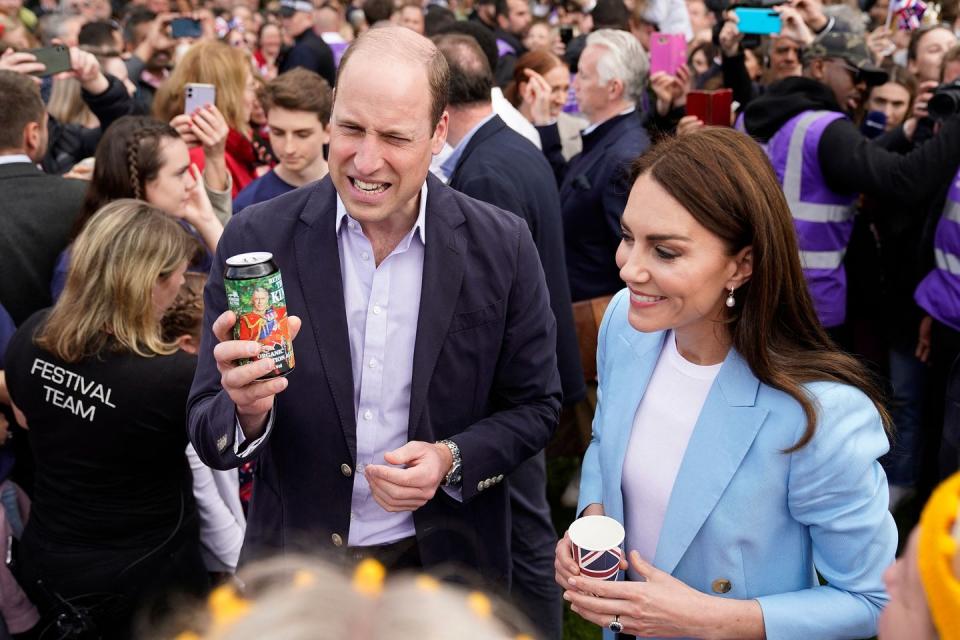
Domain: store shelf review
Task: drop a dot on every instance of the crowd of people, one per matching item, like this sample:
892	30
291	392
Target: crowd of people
720	263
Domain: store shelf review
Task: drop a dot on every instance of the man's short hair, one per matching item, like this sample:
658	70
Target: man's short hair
377	11
610	14
97	37
437	19
470	77
298	90
20	104
480	33
389	41
135	18
624	60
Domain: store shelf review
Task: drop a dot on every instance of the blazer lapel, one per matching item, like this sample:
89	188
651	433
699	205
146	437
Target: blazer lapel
318	265
725	430
622	397
443	263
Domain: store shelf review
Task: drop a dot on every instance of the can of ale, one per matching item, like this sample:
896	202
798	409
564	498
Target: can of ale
255	295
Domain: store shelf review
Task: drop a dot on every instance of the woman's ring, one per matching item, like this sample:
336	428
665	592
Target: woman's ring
615	625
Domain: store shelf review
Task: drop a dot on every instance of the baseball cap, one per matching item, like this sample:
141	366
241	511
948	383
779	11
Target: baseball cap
289	7
851	48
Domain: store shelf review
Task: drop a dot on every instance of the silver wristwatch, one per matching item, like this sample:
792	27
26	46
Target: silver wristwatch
455	475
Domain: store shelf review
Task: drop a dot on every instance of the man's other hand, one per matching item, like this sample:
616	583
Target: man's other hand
425	465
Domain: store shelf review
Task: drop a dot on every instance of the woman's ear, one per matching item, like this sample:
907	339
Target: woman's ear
744	268
189	344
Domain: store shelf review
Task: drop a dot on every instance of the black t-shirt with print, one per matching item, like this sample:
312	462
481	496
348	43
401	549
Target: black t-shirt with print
108	436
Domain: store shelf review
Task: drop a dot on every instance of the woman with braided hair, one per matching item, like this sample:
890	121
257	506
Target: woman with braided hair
143	158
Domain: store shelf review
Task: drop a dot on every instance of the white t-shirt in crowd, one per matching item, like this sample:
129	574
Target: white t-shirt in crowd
661	431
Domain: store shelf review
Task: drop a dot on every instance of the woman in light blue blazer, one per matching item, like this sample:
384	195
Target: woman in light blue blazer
761	472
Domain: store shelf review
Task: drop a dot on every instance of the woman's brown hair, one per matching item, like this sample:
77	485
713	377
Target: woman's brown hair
724	180
538	60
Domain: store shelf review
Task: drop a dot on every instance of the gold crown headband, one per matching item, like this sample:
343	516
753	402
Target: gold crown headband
227	605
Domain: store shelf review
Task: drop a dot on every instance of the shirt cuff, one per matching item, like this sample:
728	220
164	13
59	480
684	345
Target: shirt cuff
240	440
454	492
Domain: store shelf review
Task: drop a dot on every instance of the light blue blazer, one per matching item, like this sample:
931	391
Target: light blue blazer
744	512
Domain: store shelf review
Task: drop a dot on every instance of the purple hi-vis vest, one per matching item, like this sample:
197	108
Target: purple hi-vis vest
504	48
939	292
338	49
822	218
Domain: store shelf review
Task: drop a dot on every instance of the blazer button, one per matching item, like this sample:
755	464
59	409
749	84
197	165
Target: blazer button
336	540
721	585
346	470
480	486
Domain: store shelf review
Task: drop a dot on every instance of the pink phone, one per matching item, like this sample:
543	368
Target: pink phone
668	52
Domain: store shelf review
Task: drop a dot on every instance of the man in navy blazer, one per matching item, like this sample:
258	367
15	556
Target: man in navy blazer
594	185
497	165
426	355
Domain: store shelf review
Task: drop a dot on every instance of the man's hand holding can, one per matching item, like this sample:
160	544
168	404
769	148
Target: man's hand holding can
252	396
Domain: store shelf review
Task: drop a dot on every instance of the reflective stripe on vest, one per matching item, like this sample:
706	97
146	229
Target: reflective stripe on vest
939	292
822	218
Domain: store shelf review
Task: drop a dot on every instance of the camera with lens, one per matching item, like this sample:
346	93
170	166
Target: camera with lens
945	101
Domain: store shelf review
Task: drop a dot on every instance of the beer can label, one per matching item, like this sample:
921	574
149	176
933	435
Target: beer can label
261	310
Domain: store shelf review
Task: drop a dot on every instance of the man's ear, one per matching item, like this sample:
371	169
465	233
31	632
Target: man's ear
615	89
816	69
31	137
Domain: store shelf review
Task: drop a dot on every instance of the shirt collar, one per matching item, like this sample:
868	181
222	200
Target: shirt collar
15	157
593	127
420	226
451	162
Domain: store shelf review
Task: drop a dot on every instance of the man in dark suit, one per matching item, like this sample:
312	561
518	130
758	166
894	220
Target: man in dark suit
309	49
494	164
37	211
594	185
425	369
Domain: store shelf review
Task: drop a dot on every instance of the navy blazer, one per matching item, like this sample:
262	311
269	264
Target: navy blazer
594	187
484	376
502	168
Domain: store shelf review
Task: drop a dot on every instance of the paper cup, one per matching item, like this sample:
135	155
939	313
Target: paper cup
596	546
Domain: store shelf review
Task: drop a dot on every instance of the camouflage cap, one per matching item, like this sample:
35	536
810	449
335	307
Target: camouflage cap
850	47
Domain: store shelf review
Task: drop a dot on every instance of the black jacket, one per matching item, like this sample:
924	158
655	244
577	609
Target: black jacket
37	213
594	187
310	52
503	74
850	162
71	143
502	168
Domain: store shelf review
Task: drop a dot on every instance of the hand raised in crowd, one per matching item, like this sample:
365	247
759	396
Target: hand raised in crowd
420	468
793	25
924	93
536	93
671	90
880	44
689	124
199	212
660	605
811	12
253	398
86	68
208	128
20	62
157	38
730	35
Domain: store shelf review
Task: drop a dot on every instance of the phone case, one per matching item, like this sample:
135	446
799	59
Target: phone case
55	58
757	20
712	107
185	28
197	95
668	52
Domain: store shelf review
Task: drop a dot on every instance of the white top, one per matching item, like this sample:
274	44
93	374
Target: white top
661	431
222	523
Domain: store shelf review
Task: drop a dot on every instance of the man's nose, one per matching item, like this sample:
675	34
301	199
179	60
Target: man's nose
368	158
